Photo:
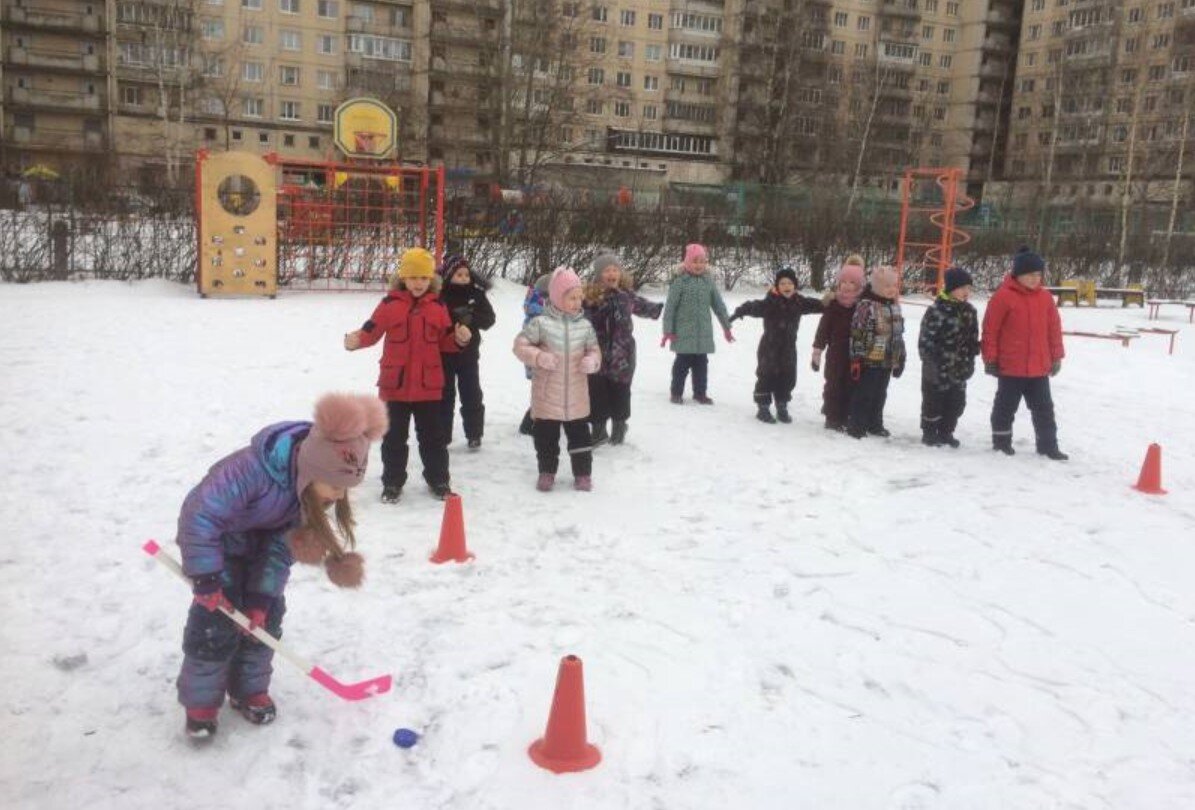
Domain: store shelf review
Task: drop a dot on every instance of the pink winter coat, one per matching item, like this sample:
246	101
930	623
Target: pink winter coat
561	393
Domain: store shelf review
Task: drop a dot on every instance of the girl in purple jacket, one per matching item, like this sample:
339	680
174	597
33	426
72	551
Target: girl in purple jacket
255	513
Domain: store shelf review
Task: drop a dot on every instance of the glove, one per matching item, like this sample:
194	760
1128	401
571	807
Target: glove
208	593
668	338
896	372
726	333
257	618
547	361
992	368
816	362
856	370
1055	367
590	364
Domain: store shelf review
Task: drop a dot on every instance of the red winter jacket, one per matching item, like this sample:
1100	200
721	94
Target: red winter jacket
416	330
1022	332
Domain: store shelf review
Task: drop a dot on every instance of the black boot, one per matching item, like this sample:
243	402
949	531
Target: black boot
619	433
1053	453
527	426
782	413
1003	444
391	493
949	440
599	434
930	438
764	414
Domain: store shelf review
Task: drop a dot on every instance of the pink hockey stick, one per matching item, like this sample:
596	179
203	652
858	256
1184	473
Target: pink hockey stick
348	691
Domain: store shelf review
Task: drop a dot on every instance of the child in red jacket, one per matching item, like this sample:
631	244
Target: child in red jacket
417	328
1022	347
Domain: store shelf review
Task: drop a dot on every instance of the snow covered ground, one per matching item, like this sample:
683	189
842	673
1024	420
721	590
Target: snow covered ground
769	616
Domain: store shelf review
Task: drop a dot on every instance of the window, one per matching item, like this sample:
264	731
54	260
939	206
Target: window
840	19
655	22
253	35
1039	5
600	14
838	47
1157	73
213	66
387	48
927	58
1136	15
943	88
945	60
626	18
254	107
130	95
952	9
622	109
948	34
940	113
860	50
325	44
288	140
623	79
328	8
693	53
363	11
1131	45
699	23
1027	85
649	112
653	52
1161	41
1165	11
290	40
288	6
289	111
863	23
569	9
651	83
1024	112
253	71
597	44
237	135
594	106
927	32
626	50
596	75
213	29
1115	164
325	79
1181	64
288	75
1031	59
324	113
1128	76
400	17
313	141
1034	32
209	133
252	5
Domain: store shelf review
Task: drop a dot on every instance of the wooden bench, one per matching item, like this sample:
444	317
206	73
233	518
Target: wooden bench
1123	337
1127	295
1157	304
1064	294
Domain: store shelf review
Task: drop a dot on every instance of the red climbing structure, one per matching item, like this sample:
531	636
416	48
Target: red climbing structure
931	201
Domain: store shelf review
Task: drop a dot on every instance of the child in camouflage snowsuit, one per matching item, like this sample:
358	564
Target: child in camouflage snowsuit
877	352
948	344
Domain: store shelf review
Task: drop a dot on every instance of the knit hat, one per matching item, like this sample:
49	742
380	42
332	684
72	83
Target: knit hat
541	283
693	252
604	260
416	263
788	273
563	279
451	265
336	451
956	277
1026	261
852	270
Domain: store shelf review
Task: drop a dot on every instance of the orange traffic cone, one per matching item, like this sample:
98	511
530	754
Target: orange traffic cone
1150	480
564	748
452	534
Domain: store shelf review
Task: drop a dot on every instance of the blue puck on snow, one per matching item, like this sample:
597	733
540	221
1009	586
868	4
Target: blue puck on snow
405	738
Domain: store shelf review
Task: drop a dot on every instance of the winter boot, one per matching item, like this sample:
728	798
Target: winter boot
527	426
475	443
440	490
391	493
619	434
855	432
882	432
1003	444
583	483
545	482
676	399
702	399
949	440
764	414
1054	454
201	724
599	434
257	709
835	425
931	438
782	413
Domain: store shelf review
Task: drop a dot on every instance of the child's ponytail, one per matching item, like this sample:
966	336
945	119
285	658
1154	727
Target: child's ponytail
316	542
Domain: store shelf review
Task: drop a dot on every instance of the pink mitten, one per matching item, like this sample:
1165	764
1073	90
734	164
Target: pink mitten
590	364
546	361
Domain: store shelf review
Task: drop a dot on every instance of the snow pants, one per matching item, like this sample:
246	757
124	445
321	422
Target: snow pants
700	365
868	398
429	429
547	445
941	407
217	657
463	371
608	400
1036	392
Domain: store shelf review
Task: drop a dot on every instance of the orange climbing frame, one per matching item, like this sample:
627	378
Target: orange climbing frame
931	201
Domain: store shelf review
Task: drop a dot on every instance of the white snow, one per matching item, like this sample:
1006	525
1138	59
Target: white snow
769	616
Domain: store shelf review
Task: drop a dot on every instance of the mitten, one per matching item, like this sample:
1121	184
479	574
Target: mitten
1055	367
546	361
856	370
668	338
898	370
257	607
208	593
726	333
590	364
992	368
816	362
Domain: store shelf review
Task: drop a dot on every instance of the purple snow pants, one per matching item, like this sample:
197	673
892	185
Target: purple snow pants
218	658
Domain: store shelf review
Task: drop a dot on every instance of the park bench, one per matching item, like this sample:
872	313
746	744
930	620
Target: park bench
1064	294
1127	295
1157	304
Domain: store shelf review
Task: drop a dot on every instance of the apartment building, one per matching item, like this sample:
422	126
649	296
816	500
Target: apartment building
1102	102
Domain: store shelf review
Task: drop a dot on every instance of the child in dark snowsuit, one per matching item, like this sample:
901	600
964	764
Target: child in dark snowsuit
877	352
417	330
240	530
776	357
609	305
948	344
463	294
834	335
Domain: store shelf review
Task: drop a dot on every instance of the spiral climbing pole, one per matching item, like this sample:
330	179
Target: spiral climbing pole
931	200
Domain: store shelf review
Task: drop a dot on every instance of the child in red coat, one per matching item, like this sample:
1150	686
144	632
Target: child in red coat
1022	347
417	328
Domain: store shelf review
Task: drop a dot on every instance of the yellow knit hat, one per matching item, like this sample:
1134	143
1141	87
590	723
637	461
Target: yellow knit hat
416	263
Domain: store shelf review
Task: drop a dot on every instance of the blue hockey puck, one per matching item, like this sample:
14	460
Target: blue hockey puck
405	738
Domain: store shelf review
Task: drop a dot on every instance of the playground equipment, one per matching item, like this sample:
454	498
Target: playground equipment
931	200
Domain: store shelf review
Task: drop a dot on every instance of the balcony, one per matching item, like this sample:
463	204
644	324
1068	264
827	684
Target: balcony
692	67
52	99
56	139
66	22
898	8
461	35
82	63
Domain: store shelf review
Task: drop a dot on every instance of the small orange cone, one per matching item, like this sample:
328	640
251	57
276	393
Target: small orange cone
1150	480
452	534
564	747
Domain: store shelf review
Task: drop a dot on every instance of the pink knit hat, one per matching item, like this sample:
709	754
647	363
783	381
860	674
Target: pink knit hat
336	450
563	279
693	252
885	281
851	270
